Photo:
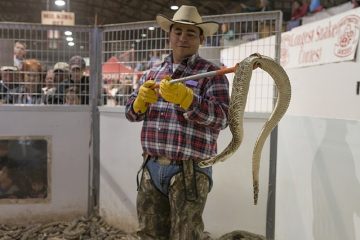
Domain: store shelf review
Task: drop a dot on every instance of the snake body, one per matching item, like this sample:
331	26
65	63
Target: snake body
238	99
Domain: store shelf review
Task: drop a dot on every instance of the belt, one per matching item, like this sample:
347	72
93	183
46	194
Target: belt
166	161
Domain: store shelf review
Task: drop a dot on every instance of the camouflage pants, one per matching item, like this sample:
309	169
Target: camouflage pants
171	216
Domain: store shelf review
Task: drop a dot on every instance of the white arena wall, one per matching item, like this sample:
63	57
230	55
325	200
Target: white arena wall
318	173
318	164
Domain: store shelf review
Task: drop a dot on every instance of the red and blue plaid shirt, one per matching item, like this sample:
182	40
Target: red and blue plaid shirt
178	134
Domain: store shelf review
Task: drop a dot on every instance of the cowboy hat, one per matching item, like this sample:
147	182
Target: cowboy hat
187	15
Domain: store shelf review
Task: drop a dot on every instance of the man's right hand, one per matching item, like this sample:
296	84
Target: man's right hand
146	96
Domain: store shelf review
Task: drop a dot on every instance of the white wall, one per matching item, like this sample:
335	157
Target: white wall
69	131
318	180
326	91
318	173
230	203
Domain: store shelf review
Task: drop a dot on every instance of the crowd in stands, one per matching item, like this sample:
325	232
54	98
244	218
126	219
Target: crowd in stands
28	82
303	8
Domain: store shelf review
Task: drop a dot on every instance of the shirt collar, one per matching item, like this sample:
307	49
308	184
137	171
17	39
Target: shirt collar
189	61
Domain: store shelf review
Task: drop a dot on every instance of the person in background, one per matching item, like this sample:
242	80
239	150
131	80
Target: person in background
315	6
77	67
8	81
61	78
77	79
19	54
181	124
299	9
29	91
49	90
227	34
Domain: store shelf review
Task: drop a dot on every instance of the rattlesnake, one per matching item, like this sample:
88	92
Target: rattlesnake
238	99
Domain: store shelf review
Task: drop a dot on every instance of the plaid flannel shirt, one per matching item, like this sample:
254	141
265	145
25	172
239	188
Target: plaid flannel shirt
178	134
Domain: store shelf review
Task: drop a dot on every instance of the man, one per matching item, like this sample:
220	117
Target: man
8	81
180	129
19	54
77	80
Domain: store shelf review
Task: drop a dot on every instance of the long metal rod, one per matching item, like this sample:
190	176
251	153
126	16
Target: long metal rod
204	75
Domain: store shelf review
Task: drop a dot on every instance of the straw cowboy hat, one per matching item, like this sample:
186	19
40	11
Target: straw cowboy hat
187	15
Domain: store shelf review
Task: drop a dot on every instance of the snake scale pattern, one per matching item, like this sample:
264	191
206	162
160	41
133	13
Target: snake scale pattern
238	99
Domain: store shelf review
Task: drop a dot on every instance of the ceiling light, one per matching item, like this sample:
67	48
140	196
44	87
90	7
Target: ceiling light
69	39
174	7
71	44
68	33
143	35
60	2
151	28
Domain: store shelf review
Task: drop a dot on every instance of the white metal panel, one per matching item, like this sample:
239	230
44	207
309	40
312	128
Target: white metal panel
69	131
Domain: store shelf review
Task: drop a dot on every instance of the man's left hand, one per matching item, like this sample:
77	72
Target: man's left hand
176	93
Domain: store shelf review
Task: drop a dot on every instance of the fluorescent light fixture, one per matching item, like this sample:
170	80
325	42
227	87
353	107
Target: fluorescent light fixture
174	7
69	39
60	3
68	33
137	40
143	35
71	44
151	28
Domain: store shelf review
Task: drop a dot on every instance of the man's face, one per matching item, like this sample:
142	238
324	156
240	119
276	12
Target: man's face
19	50
184	41
76	74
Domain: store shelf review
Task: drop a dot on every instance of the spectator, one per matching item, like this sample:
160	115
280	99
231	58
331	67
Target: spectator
299	9
19	54
49	90
77	67
9	81
29	92
61	73
61	80
315	6
227	34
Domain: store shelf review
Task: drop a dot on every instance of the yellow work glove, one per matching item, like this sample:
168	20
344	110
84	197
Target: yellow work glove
176	93
146	95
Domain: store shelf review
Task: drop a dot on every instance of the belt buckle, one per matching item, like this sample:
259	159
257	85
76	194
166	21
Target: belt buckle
163	161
